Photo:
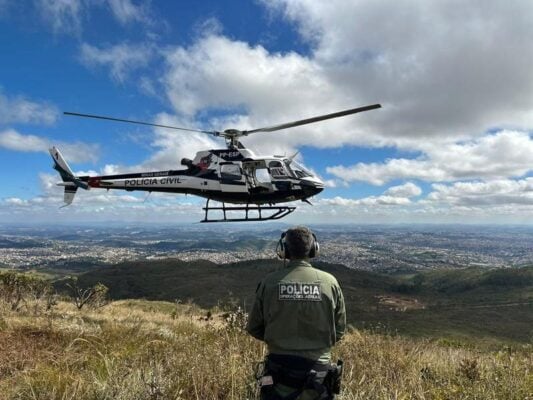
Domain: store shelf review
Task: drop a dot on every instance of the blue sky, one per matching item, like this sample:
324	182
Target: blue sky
452	142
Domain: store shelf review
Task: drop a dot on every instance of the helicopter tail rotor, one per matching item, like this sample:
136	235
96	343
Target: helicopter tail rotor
70	181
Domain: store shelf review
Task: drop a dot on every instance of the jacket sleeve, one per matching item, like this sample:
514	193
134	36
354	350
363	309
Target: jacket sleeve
340	315
256	322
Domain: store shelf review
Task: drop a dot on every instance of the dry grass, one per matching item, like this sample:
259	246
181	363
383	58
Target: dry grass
132	350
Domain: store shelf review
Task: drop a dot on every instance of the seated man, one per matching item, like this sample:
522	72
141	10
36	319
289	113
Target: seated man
299	312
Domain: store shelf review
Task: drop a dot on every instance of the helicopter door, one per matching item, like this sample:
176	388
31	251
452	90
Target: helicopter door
231	178
257	176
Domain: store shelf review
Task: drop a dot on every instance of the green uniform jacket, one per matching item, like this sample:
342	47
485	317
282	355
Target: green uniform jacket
299	310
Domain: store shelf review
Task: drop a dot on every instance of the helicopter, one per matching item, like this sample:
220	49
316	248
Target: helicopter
253	185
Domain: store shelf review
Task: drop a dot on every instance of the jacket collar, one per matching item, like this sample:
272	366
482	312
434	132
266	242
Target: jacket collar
298	263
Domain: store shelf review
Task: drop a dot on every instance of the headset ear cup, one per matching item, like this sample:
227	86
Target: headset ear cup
315	248
281	249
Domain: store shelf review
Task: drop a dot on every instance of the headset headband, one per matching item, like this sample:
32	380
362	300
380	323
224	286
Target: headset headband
283	252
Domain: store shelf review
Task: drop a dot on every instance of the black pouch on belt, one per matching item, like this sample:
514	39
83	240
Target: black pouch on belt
334	378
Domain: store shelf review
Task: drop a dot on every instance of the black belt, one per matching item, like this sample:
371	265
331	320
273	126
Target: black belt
293	371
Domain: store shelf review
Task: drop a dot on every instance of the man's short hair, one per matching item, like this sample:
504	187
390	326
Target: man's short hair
299	241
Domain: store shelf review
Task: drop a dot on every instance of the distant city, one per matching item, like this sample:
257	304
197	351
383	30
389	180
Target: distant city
377	248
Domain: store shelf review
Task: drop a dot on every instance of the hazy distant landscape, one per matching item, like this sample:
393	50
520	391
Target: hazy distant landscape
393	249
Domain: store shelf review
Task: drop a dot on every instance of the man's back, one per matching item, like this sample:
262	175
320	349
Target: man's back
299	310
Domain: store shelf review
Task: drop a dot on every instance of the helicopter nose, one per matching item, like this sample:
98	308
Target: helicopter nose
317	189
312	186
312	190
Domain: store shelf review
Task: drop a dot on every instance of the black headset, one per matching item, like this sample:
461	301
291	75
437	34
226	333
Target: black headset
283	252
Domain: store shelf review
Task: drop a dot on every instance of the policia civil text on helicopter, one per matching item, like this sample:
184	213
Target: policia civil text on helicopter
299	312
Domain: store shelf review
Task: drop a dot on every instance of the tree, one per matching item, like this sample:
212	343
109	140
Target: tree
94	296
16	288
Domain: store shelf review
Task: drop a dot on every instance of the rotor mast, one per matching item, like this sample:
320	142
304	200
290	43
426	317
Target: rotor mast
232	138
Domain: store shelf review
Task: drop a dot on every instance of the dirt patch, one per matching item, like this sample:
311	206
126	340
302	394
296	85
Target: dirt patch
397	303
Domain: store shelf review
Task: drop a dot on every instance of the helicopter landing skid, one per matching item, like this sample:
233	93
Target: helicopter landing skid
275	212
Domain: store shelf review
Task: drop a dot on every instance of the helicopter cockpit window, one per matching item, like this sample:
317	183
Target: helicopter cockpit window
230	171
298	170
277	170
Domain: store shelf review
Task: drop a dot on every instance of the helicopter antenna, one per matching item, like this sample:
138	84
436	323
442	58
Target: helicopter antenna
291	158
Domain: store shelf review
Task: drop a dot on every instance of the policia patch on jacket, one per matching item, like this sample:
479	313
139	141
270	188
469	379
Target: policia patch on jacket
299	291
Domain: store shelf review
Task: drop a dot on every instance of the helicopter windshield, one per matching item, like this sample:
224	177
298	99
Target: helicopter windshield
298	170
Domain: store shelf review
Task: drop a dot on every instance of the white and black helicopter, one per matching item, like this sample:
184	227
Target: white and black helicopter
256	184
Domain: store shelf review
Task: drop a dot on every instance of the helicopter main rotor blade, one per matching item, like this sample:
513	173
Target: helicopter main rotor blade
313	119
214	133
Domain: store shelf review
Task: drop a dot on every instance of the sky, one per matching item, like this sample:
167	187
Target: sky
453	142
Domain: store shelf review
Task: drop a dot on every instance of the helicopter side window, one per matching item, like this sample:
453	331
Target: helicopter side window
230	172
277	170
262	175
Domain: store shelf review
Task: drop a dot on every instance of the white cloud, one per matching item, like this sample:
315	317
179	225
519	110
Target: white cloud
500	155
62	15
219	72
172	146
330	183
429	90
210	26
126	12
367	201
257	88
501	201
483	194
18	109
76	152
380	173
408	189
121	59
12	140
67	16
394	196
15	201
437	99
438	68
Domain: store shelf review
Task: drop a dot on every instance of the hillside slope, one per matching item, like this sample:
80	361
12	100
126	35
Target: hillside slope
207	283
473	303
